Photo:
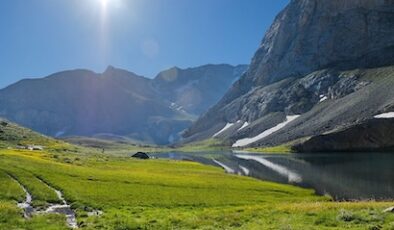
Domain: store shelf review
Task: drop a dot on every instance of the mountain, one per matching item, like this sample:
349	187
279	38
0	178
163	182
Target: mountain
322	67
196	89
116	103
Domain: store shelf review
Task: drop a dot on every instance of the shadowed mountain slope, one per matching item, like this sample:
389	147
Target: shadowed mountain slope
114	103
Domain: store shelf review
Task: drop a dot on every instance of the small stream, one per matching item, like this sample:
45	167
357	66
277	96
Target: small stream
26	205
61	208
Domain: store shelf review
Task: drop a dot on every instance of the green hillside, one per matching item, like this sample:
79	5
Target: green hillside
13	136
158	194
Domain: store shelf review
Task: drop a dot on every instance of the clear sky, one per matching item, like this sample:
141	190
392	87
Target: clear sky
40	37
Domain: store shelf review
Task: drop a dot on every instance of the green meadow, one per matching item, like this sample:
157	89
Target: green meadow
166	194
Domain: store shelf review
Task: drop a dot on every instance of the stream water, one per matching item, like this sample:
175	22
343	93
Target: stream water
342	176
26	205
60	208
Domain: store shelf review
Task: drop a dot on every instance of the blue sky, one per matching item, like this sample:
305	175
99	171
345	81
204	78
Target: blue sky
40	37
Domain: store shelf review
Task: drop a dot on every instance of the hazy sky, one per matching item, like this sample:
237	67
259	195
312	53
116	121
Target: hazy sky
40	37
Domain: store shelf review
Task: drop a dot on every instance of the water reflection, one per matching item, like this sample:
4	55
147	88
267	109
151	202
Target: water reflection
342	176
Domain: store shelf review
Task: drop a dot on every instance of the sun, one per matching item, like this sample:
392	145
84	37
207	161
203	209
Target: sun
104	3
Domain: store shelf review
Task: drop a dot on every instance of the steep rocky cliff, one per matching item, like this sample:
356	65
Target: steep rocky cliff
317	54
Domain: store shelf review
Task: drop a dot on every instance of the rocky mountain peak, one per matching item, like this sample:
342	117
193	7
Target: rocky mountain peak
312	34
169	75
315	53
109	69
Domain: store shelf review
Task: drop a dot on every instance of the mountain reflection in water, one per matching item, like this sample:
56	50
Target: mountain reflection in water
361	176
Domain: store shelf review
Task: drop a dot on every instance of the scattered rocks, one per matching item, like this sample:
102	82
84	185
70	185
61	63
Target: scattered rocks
30	147
391	209
95	213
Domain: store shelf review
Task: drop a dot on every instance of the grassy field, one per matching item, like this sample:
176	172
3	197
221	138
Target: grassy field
115	147
282	149
163	194
158	194
205	145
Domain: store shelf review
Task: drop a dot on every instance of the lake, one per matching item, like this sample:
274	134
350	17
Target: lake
343	176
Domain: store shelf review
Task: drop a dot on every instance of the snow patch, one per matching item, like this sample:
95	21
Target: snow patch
245	170
247	141
60	133
243	126
292	177
177	107
225	167
228	125
323	98
385	115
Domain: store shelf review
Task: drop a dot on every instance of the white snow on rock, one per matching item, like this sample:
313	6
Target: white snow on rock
385	115
243	126
225	167
245	170
60	133
176	107
247	141
292	177
391	209
323	98
228	125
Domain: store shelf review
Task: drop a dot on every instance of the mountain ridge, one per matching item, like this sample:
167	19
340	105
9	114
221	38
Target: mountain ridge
82	102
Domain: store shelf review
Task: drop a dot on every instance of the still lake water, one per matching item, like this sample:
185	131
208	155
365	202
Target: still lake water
361	176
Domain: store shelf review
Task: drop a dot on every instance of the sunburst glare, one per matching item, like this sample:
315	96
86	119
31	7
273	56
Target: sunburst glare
104	3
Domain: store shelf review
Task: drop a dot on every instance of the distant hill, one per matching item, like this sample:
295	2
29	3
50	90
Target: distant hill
115	103
13	135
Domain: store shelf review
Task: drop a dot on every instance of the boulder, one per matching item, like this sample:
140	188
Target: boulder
141	155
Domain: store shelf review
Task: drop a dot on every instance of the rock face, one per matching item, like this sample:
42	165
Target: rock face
375	134
113	103
313	34
317	54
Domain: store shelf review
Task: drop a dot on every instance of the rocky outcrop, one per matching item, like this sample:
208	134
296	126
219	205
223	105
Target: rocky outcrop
316	55
313	34
372	135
